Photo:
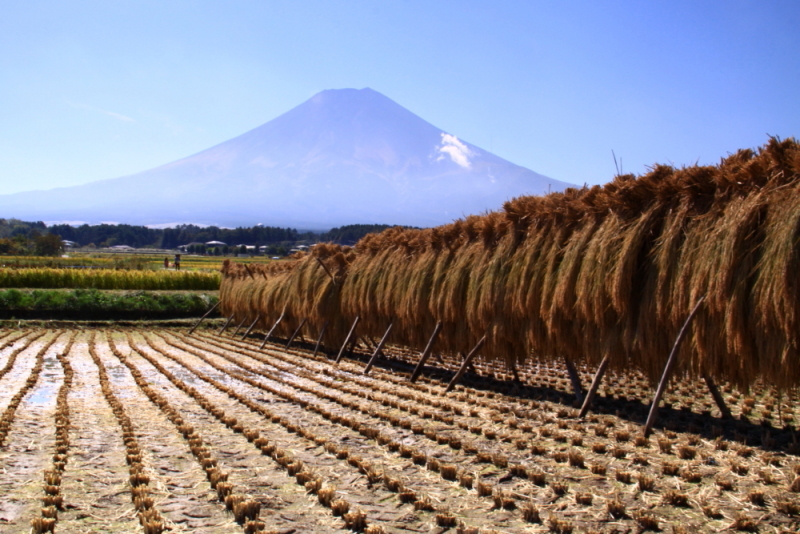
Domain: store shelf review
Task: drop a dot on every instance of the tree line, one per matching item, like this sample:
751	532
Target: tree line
21	237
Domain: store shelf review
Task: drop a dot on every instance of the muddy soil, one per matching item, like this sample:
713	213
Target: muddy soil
494	455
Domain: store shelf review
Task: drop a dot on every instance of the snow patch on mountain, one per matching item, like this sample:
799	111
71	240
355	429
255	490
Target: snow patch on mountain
459	152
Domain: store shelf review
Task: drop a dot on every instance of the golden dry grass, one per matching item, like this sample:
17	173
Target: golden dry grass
584	274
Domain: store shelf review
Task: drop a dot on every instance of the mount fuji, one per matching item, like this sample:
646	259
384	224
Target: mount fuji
344	156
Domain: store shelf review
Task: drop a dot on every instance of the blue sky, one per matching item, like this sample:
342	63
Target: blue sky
92	90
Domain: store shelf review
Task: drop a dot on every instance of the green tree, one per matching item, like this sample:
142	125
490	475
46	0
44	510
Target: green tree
48	245
7	246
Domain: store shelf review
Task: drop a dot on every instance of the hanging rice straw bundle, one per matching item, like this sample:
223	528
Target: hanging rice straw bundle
584	274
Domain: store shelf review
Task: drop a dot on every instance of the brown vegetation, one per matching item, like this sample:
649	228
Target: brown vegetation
584	274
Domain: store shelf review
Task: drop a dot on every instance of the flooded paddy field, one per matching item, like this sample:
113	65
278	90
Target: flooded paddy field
152	430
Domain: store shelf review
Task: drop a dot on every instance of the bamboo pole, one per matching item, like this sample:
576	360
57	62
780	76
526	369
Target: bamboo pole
598	377
319	339
378	349
297	331
266	338
225	326
464	365
673	357
239	327
575	379
712	387
214	307
347	339
251	327
426	353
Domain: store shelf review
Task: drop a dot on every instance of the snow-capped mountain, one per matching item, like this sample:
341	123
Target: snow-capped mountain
343	157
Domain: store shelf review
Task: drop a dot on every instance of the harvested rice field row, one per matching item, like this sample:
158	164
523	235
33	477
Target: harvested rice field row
135	430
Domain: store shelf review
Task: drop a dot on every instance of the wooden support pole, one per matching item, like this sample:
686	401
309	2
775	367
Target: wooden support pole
575	379
239	327
470	366
426	353
673	357
214	307
319	339
347	339
326	270
464	365
251	327
266	338
598	377
378	349
712	387
296	331
225	326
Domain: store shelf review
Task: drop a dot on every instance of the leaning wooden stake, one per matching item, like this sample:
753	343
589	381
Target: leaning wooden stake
225	326
319	339
712	387
347	339
378	349
673	357
251	327
464	365
239	327
575	379
296	331
266	338
214	307
598	377
426	353
333	280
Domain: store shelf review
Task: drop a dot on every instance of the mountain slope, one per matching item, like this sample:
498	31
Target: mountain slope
344	156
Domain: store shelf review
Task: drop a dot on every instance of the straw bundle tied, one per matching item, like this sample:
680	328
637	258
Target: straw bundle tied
599	271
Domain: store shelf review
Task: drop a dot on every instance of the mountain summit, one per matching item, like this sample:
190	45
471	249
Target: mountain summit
344	156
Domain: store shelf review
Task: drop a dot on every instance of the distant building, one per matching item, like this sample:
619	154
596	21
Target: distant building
216	244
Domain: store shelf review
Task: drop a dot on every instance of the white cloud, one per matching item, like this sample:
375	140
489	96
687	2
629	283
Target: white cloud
454	148
117	116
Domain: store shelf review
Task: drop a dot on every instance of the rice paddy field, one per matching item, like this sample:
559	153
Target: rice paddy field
138	260
154	430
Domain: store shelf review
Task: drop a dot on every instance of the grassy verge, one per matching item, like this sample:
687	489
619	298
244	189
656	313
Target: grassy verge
92	304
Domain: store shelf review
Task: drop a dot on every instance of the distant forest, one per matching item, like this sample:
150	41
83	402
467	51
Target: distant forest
18	236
